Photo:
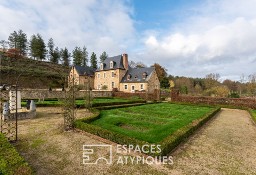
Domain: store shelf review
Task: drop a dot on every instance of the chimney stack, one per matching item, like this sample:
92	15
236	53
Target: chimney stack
125	61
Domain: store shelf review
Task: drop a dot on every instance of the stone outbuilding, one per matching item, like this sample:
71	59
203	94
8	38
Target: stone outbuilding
82	76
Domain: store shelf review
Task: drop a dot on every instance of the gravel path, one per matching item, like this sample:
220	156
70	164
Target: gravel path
225	145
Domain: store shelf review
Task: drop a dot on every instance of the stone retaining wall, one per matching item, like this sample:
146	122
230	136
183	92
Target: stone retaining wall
143	95
42	94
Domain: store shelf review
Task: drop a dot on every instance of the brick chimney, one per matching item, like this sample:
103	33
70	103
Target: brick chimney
125	61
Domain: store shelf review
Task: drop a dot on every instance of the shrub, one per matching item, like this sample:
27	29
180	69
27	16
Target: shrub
234	95
118	103
104	97
118	106
10	160
104	87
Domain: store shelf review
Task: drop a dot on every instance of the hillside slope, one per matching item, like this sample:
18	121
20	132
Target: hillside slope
32	73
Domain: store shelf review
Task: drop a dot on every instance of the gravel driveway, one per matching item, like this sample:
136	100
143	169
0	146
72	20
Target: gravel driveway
225	145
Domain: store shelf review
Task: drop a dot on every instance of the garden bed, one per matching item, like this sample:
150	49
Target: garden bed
163	123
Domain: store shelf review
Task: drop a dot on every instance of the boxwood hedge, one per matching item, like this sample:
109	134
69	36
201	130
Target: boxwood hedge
10	160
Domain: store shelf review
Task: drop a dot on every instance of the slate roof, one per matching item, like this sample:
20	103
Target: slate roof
137	75
117	60
84	70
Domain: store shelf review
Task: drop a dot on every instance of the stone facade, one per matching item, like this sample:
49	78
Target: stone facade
133	87
109	79
83	76
113	73
88	81
150	85
73	74
153	82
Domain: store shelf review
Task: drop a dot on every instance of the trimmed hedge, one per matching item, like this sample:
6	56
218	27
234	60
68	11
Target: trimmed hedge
253	114
10	160
235	102
117	103
84	124
119	106
167	144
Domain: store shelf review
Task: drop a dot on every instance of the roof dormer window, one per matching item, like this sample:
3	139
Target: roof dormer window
111	64
101	66
129	76
144	75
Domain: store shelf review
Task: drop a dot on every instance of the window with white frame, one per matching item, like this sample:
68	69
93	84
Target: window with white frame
113	84
101	66
113	74
111	64
141	86
133	88
98	75
125	86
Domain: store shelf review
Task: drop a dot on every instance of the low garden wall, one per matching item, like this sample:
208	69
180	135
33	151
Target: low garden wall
42	94
143	95
236	102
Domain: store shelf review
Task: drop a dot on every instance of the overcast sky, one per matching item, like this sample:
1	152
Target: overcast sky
188	37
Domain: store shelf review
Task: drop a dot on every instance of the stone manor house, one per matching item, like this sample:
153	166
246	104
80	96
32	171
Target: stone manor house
116	74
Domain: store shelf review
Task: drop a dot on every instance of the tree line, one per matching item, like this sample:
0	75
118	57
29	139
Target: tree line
210	85
19	46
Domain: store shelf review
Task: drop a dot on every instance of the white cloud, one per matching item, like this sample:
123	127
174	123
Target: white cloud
221	35
218	36
101	25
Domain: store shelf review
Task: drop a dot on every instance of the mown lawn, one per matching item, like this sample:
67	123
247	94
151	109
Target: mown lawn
152	122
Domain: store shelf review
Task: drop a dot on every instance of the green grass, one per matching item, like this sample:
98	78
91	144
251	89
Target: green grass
151	123
10	160
253	113
108	100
